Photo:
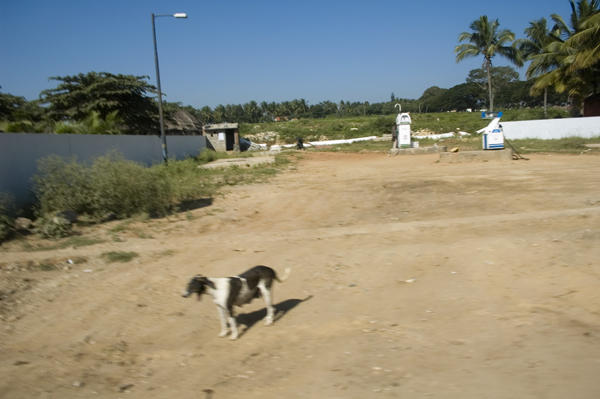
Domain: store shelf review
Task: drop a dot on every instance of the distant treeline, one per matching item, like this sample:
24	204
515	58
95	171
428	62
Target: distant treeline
103	103
509	93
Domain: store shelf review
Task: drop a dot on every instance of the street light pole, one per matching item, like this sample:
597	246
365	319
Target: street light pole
160	110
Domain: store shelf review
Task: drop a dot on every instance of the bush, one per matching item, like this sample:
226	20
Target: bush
185	181
52	227
7	213
208	155
381	125
63	185
114	186
111	185
125	188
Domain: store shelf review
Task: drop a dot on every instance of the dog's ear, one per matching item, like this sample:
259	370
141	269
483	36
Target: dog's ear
205	281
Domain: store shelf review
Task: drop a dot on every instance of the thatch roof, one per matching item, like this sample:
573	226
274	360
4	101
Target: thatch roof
183	123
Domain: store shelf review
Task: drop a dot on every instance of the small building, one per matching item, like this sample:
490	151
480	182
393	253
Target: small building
591	105
223	136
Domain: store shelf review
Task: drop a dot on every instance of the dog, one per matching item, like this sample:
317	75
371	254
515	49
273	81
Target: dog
227	292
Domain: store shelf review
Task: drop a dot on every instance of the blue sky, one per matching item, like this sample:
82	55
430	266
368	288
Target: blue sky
235	51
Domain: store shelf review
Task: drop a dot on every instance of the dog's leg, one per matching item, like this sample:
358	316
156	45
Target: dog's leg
224	328
232	324
267	295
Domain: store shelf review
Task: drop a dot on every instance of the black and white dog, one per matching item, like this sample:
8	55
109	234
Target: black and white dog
228	292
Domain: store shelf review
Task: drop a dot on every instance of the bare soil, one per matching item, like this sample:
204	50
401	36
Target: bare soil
410	279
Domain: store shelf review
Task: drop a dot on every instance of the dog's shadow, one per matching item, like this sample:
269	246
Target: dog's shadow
250	319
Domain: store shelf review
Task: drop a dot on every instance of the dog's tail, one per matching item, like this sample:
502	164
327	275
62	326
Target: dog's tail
286	275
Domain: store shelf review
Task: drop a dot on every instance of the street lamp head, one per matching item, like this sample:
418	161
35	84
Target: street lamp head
180	15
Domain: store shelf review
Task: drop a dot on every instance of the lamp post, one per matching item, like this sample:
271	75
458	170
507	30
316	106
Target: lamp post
160	110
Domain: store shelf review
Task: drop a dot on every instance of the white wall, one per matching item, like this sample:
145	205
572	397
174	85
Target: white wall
552	128
19	153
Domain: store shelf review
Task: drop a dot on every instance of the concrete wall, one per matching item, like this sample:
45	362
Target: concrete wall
216	142
19	153
552	128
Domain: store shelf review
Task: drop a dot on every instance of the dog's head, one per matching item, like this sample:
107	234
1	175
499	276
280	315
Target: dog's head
197	285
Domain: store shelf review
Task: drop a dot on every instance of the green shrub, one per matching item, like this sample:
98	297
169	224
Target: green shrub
7	213
125	188
111	185
380	125
185	180
209	155
52	227
63	185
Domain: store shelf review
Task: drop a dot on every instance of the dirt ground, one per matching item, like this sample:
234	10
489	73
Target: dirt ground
410	279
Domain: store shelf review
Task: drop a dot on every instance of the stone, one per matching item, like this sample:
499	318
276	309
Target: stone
69	215
23	224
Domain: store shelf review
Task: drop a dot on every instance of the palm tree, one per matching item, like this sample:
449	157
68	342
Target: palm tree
485	39
538	38
219	113
206	115
567	60
93	124
586	38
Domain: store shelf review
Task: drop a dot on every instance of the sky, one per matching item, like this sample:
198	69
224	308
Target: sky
236	51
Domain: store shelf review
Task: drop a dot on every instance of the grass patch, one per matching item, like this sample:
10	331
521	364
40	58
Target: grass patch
166	252
119	256
344	128
463	144
358	146
566	145
142	234
73	241
47	266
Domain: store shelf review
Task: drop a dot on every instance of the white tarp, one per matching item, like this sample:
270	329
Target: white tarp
331	142
438	136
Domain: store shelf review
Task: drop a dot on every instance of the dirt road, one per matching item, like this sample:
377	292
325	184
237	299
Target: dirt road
410	279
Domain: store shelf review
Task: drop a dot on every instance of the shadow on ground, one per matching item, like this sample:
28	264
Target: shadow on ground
195	204
250	319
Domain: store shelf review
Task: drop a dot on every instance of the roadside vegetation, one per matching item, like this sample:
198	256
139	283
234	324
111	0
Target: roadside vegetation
113	188
363	126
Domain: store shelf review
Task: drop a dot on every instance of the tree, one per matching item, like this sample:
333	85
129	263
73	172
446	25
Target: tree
430	96
219	114
252	112
206	115
486	40
21	116
501	76
76	97
93	124
516	95
567	62
460	98
538	38
9	104
587	40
